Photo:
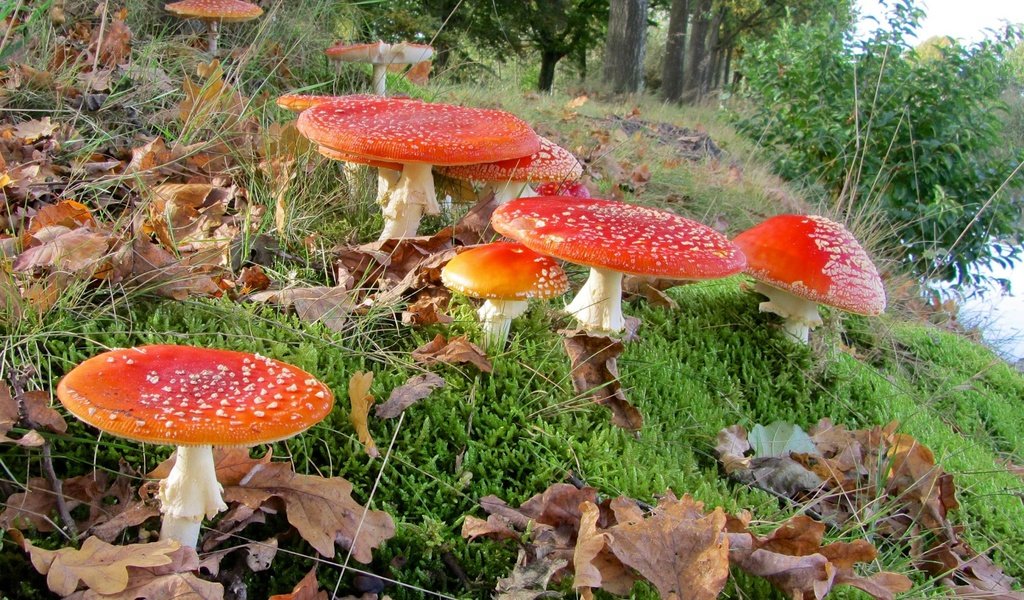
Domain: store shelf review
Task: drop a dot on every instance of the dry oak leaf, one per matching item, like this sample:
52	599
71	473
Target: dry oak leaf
321	509
589	544
98	565
173	581
329	306
793	559
307	589
361	399
67	213
152	266
30	131
454	350
419	73
184	213
78	251
683	552
412	391
594	371
231	464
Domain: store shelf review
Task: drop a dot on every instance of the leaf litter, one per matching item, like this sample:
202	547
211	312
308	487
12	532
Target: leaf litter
876	475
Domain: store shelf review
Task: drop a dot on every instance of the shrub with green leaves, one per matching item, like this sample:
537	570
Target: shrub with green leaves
915	137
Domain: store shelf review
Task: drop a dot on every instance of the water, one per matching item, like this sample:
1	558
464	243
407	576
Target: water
1000	316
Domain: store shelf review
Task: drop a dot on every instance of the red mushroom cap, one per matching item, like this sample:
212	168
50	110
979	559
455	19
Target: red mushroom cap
550	163
619	237
504	271
575	189
355	158
300	102
814	258
228	11
411	131
189	396
380	53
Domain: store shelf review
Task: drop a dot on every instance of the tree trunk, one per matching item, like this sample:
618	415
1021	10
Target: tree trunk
696	51
624	49
707	68
675	51
548	60
728	66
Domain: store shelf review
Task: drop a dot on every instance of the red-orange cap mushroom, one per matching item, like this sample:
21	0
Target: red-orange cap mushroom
380	55
801	261
573	189
615	238
511	178
506	275
417	135
193	398
213	12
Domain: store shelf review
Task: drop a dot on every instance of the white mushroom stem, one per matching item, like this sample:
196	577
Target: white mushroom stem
800	315
380	78
386	179
190	492
211	36
598	304
412	197
496	319
511	190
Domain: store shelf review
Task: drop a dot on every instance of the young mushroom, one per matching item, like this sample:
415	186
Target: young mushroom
381	56
214	12
193	398
801	261
613	239
506	275
511	178
416	135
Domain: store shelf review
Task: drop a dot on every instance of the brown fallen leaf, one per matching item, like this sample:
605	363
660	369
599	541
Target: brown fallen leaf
594	371
306	589
152	267
793	559
412	391
428	307
361	399
589	544
30	131
321	509
651	289
419	73
66	213
252	279
456	350
78	251
99	566
329	306
231	464
681	550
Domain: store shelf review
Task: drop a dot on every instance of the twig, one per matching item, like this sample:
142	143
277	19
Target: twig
58	490
18	386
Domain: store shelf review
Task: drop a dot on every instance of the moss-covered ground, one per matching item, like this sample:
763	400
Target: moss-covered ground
712	362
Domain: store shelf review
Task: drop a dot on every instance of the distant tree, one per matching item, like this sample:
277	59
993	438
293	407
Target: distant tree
675	51
918	145
624	48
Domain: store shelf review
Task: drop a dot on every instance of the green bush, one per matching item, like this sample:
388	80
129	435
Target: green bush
916	137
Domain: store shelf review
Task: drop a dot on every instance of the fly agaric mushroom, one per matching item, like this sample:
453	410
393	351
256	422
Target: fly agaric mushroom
511	178
387	173
506	275
213	12
574	189
613	239
193	398
801	261
416	135
381	56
